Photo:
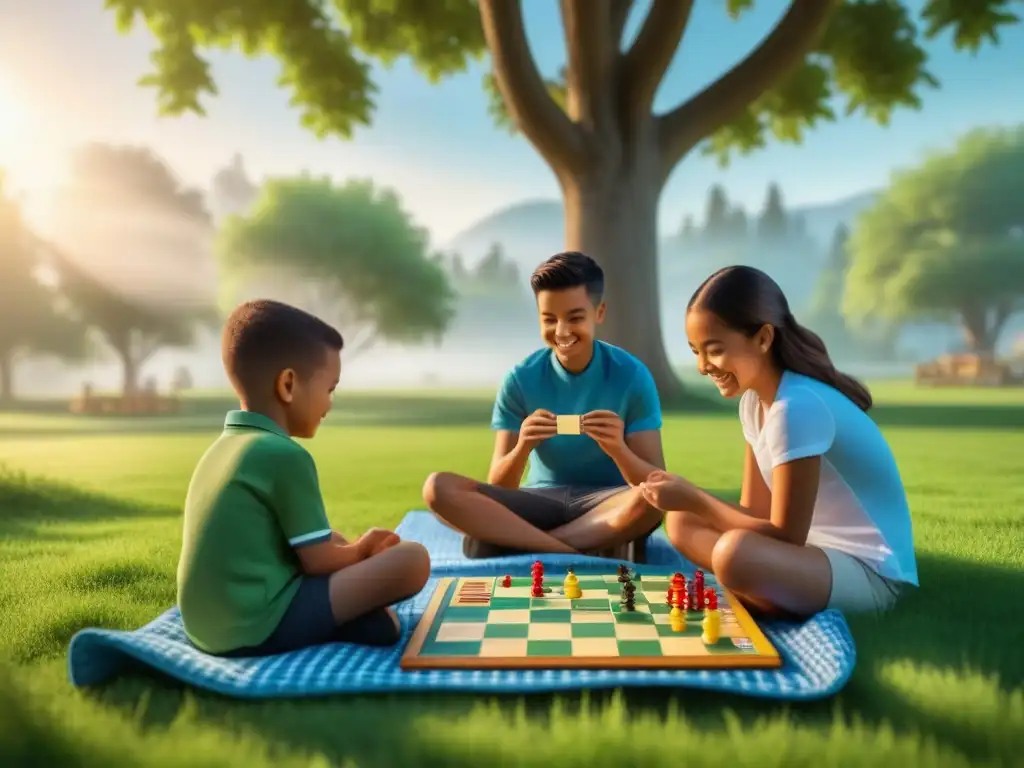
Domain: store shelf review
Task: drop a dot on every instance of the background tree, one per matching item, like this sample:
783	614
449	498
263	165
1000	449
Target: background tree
33	316
351	250
824	311
716	214
943	242
773	225
132	253
593	123
233	190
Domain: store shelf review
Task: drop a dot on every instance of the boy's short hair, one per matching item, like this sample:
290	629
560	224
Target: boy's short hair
569	269
263	337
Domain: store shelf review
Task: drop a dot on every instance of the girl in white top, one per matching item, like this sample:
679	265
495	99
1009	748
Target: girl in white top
823	520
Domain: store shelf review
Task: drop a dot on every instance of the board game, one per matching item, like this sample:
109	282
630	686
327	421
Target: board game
600	621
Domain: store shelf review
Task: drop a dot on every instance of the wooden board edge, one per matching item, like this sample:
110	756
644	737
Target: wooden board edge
419	635
762	644
597	663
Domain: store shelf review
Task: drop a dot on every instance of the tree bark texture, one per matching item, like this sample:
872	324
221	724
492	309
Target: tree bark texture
610	153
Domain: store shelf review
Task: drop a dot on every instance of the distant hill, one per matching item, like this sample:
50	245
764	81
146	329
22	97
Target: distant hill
533	229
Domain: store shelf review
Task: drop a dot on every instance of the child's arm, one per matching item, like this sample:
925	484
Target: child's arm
755	497
508	461
327	557
337	553
794	491
638	455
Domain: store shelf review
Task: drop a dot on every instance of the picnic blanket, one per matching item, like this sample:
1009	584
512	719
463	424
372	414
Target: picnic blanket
818	654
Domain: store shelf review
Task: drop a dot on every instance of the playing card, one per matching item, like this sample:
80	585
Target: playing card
568	425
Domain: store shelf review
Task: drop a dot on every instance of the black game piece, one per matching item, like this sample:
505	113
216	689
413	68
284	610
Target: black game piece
628	600
623	573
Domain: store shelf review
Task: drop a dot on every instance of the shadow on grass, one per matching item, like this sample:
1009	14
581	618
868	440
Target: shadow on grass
960	622
29	506
206	415
930	416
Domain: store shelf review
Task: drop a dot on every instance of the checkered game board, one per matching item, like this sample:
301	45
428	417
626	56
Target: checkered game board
477	623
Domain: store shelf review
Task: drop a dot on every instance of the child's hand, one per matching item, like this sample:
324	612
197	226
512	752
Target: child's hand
376	540
606	428
537	427
667	492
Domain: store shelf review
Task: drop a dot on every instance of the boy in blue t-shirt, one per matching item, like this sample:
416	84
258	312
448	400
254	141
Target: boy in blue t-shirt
580	494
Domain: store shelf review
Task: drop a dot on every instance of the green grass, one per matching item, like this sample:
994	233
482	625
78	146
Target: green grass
89	530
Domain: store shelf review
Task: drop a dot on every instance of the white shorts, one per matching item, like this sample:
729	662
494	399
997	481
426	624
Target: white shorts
858	588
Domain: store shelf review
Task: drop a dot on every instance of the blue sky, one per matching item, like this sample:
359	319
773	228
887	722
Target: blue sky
74	79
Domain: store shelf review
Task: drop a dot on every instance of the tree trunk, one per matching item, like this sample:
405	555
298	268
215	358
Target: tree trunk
7	377
980	334
611	215
129	371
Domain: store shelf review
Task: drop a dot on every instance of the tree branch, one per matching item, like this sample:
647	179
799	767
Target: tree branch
619	17
592	54
362	344
558	140
649	57
779	54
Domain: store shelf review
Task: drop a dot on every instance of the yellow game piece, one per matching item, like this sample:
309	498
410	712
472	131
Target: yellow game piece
571	587
677	620
712	626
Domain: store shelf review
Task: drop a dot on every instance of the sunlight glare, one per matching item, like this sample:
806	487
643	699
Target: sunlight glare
13	123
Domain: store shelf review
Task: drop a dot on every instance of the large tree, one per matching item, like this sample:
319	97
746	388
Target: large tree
33	317
946	241
348	252
593	123
131	248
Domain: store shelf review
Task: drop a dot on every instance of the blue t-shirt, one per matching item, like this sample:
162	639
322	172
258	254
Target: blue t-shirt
861	508
613	381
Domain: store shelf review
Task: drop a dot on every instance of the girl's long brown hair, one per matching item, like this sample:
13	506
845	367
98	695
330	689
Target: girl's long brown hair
746	299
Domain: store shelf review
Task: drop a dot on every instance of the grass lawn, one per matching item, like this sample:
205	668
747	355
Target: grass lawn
89	530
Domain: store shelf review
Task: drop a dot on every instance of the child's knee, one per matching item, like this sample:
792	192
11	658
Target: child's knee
732	554
439	485
415	564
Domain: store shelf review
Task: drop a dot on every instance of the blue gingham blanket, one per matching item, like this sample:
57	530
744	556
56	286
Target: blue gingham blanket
818	654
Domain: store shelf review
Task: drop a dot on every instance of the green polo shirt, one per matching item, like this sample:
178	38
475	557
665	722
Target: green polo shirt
253	499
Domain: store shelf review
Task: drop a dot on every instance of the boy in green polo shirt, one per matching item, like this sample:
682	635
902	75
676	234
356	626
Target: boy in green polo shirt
261	571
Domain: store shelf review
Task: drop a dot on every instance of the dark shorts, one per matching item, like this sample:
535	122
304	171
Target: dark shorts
547	509
309	621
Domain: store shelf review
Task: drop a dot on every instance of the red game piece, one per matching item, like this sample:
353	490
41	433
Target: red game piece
537	571
507	581
676	585
698	584
711	599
